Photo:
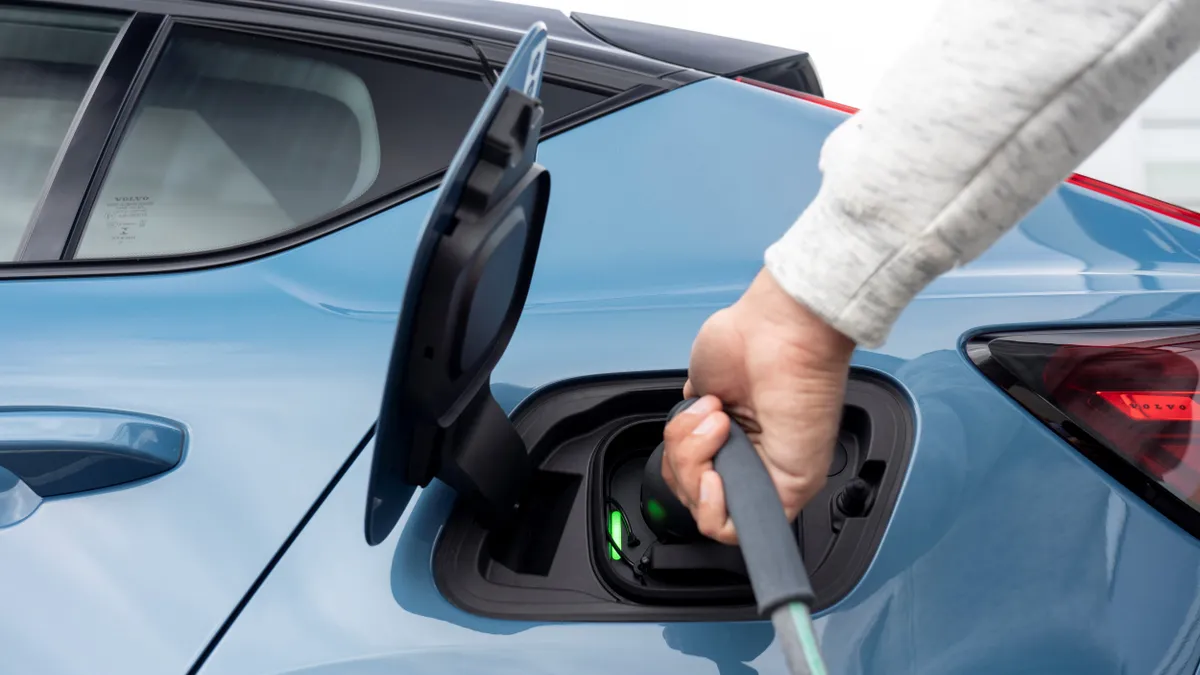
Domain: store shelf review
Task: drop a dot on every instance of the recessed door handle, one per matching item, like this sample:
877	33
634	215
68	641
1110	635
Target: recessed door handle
46	452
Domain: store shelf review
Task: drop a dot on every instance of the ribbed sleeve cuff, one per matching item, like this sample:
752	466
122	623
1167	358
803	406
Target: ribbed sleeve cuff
844	271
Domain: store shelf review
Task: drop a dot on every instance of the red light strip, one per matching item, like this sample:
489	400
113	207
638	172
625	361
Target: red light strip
1136	198
1108	189
1153	406
842	107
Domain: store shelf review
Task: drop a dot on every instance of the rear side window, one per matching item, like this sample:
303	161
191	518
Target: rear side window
48	58
238	138
560	100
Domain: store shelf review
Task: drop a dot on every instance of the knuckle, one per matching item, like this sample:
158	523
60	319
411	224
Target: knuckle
696	455
686	458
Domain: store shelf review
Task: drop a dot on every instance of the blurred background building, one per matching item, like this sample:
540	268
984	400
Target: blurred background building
1157	151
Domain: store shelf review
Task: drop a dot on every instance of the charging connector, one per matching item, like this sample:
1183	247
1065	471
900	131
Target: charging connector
777	574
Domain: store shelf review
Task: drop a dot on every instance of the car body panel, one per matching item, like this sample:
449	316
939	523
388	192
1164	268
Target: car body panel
1007	553
274	366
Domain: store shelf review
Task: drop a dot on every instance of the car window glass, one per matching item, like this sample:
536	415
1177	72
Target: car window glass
559	100
239	138
48	58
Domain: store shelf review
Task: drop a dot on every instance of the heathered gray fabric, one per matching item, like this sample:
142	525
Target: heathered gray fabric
996	105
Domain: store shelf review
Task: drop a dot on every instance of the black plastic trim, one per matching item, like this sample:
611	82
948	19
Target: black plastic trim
704	52
566	428
1093	449
501	23
568	67
797	73
446	53
96	121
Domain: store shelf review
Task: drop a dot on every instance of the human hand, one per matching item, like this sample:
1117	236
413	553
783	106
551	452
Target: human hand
780	372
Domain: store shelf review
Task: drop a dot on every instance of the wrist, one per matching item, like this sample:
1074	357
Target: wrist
770	303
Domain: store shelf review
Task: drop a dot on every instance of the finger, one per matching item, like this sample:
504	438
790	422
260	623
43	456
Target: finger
681	426
677	432
668	473
712	517
689	389
693	455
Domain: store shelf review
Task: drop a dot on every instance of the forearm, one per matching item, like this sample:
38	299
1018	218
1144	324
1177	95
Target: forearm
995	106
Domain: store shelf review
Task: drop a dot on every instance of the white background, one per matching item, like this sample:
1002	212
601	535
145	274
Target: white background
853	42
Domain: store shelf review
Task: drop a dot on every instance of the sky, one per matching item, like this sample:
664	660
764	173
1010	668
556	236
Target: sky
852	42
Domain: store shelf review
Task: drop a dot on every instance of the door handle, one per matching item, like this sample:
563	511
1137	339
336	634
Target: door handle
46	452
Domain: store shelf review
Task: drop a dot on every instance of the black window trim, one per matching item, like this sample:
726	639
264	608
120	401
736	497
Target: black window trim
254	21
87	138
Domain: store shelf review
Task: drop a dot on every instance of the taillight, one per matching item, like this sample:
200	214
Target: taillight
1126	398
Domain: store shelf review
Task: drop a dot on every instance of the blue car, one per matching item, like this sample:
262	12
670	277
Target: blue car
308	365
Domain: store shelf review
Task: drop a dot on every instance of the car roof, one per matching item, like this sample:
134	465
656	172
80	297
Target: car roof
506	16
491	18
652	50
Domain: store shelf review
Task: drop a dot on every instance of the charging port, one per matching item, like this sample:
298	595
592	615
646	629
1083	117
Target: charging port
579	548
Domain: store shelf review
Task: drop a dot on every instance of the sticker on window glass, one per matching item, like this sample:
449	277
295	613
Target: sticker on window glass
125	217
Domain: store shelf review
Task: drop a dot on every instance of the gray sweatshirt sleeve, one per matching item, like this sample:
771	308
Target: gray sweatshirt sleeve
998	103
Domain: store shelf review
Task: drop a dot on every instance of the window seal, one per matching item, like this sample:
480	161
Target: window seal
88	138
463	59
420	31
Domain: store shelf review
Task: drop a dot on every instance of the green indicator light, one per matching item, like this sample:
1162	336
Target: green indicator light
655	510
614	530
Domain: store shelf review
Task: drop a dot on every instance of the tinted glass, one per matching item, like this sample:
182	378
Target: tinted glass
560	100
47	61
240	138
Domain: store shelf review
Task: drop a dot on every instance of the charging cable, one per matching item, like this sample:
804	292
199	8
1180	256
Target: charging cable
781	586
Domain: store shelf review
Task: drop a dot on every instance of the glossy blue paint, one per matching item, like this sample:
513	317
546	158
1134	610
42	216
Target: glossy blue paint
275	368
1007	553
